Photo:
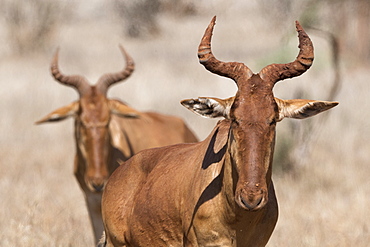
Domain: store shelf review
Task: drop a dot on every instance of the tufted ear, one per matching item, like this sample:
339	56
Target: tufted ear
302	108
122	110
61	113
209	107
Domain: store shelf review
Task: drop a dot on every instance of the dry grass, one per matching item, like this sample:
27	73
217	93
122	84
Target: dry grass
323	203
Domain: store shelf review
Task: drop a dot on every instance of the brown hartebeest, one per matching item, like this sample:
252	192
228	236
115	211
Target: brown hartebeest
217	192
108	130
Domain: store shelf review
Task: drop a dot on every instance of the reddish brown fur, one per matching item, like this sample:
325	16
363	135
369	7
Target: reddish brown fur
217	192
108	132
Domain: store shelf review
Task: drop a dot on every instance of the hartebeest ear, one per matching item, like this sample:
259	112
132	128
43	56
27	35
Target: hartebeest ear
122	110
119	139
209	107
302	108
61	113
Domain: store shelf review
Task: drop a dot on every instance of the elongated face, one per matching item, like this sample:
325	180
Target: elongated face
253	114
92	137
92	115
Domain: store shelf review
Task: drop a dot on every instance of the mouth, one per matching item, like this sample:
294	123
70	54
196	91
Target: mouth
254	206
98	187
95	187
251	202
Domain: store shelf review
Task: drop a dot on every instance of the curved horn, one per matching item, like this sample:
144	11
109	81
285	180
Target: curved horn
278	72
75	81
105	81
231	70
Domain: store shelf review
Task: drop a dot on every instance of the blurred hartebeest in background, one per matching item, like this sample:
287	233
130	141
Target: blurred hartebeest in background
108	131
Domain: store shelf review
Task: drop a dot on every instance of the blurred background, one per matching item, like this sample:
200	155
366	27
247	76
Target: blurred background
321	171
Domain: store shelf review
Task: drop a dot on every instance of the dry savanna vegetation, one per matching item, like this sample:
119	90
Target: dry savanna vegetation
321	164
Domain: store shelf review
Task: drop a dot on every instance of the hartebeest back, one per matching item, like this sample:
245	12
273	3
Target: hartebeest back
107	131
217	192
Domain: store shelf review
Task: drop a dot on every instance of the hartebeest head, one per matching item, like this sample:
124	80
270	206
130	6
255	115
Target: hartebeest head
254	112
92	113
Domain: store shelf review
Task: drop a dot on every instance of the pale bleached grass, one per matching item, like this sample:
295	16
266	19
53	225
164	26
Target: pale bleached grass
323	203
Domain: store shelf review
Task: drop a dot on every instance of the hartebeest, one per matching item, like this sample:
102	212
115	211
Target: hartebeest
107	131
217	192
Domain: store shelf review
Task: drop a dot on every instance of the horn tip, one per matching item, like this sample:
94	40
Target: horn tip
209	30
56	56
298	26
213	21
121	47
124	52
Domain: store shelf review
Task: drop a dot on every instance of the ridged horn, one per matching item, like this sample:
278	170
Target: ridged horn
76	81
304	60
231	70
106	80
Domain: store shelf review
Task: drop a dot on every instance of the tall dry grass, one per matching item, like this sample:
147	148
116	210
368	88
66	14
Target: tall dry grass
323	202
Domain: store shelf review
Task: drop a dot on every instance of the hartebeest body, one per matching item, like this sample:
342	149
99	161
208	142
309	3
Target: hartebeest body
108	131
217	192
